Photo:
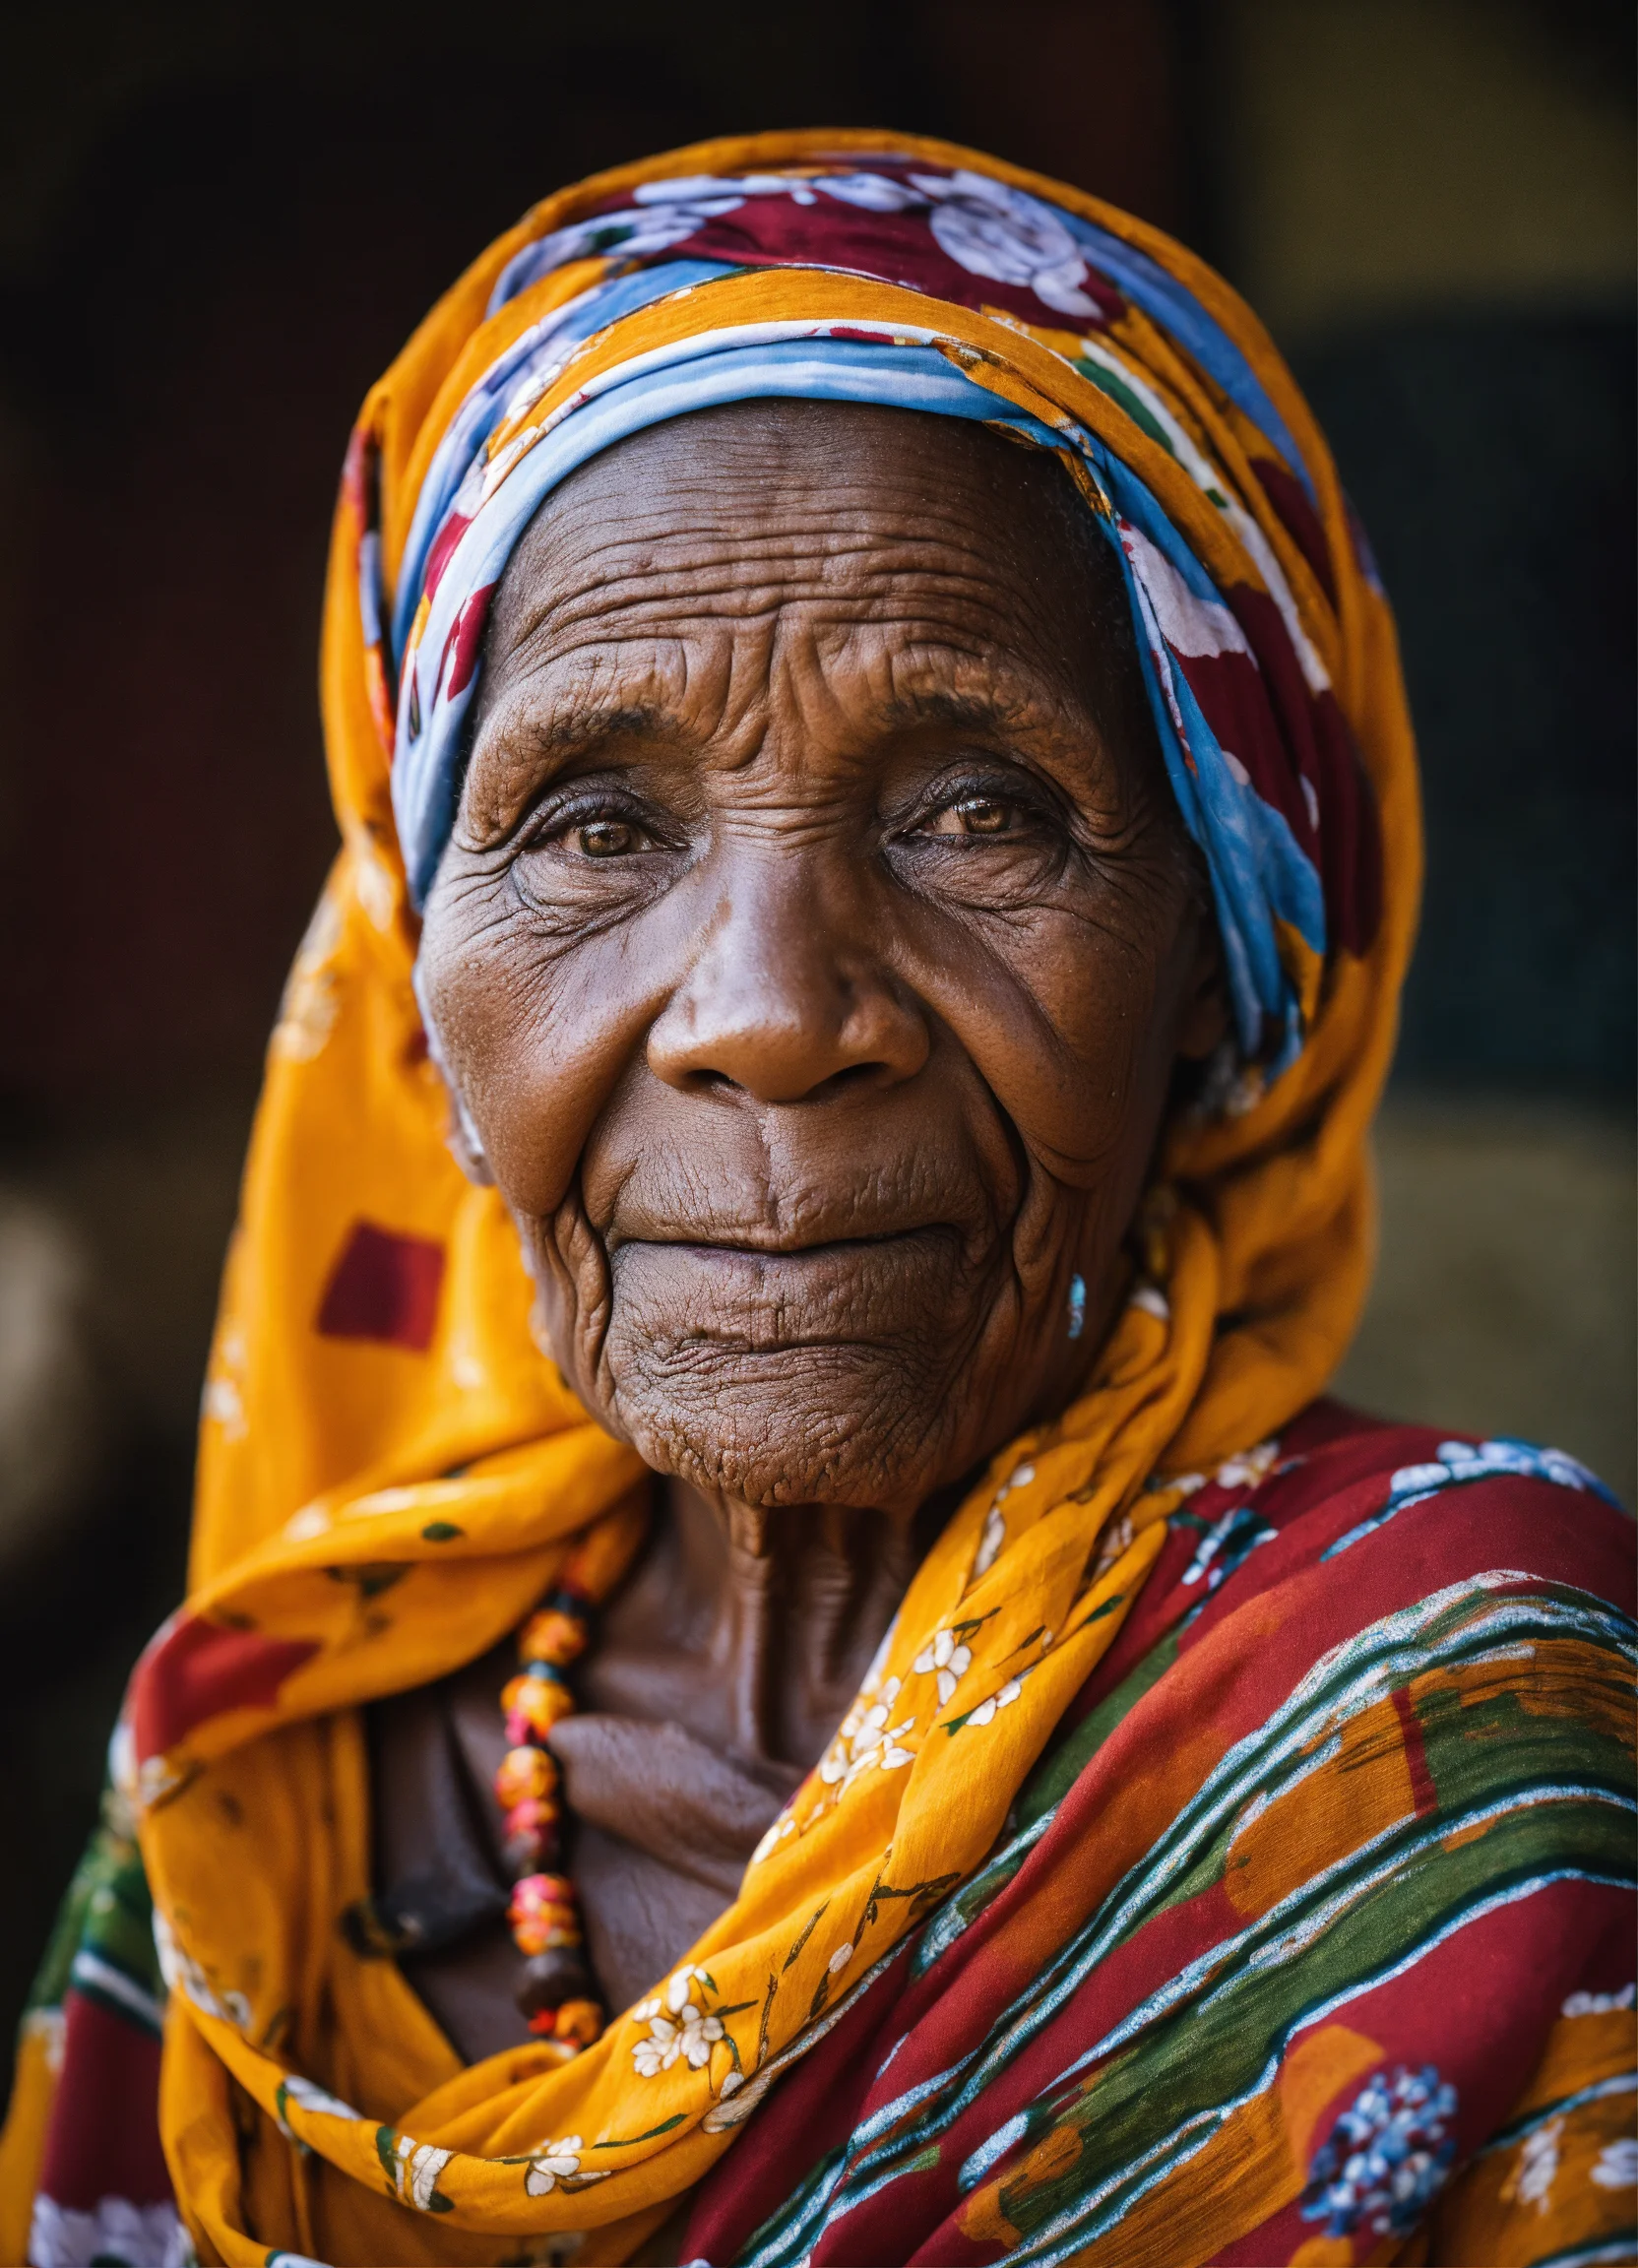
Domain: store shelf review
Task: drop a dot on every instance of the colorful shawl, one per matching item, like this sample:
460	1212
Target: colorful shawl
1168	1887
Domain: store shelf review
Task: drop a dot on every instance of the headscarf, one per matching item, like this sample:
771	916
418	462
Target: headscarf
391	1471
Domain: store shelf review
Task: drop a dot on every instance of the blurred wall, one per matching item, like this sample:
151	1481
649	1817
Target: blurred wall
1431	203
219	222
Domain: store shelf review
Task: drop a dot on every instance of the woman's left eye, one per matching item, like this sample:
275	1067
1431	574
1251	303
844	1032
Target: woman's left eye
606	837
976	815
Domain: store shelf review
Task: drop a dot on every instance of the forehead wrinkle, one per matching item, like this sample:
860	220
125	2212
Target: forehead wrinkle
968	683
886	627
765	517
925	678
572	561
695	595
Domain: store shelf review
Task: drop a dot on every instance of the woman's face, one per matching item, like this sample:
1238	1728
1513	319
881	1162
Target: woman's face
816	944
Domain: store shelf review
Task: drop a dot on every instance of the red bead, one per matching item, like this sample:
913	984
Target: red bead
543	1912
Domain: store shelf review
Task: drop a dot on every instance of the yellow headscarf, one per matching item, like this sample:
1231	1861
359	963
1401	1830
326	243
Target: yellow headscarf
391	1471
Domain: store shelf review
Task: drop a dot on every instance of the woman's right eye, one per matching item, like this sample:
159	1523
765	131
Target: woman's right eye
594	849
594	830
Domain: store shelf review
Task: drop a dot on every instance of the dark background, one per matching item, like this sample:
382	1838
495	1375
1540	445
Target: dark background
218	224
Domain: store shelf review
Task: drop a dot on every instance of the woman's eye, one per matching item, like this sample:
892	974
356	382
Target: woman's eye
976	815
606	837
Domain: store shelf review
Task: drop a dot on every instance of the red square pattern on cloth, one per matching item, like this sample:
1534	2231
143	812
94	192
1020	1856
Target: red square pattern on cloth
384	1287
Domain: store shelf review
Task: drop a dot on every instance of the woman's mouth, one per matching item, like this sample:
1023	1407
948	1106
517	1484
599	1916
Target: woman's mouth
766	1297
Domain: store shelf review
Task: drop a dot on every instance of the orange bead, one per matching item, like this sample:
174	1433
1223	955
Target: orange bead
553	1636
527	1775
533	1705
533	1934
580	2021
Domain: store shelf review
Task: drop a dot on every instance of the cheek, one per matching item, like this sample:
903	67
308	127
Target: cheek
1070	1017
536	1033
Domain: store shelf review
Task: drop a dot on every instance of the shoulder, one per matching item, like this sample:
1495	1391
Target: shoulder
1369	1730
1345	1519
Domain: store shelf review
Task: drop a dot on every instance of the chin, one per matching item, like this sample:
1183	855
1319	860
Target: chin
854	1425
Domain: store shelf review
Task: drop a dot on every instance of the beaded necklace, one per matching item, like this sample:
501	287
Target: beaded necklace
556	1993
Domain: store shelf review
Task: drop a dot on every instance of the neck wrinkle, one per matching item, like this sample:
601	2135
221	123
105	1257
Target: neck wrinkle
790	1585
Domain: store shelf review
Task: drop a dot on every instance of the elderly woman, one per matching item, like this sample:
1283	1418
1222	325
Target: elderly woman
781	1662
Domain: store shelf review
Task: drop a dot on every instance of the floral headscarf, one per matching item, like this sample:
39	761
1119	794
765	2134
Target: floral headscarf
1258	752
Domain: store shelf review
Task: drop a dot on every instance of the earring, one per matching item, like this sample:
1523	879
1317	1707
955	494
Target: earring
1077	1306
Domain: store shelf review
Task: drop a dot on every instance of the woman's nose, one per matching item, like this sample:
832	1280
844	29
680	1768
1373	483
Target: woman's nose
789	998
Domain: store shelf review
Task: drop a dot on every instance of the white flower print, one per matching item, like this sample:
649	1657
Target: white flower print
306	1017
993	230
985	1711
866	1738
155	1778
181	1971
1115	1538
697	2034
557	2161
311	2097
50	2027
664	213
1617	2166
871	192
1386	2157
555	2164
115	2230
1248	1468
651	2056
416	2167
840	1959
223	1403
949	1659
678	2027
307	2096
995	1527
989	1543
1538	2167
1600	2003
633	235
784	1825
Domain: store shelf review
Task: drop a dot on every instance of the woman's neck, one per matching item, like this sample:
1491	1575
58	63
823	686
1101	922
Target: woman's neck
755	1624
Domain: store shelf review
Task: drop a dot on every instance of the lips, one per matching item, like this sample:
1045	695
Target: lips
766	1298
663	1205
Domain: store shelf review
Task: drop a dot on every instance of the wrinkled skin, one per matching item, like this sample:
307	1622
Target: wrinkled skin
813	960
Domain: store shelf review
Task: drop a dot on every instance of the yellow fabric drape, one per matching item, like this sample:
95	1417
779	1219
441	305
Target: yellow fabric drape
385	1515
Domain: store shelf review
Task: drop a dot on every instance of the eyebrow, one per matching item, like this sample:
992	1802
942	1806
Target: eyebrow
586	727
588	724
569	731
969	711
